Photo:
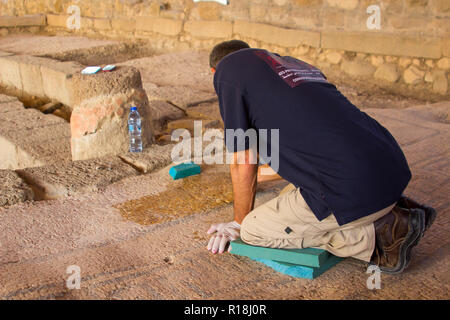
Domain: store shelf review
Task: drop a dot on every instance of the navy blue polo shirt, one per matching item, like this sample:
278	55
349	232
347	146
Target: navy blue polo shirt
343	161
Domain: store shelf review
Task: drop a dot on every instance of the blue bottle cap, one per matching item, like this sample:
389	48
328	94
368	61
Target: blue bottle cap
133	109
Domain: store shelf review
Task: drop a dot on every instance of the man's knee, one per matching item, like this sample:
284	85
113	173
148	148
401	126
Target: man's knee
252	232
247	230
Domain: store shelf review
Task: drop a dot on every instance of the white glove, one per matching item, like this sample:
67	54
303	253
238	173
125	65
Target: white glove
222	233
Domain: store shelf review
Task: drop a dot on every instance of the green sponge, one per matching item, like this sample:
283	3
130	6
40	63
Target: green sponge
299	271
310	257
184	170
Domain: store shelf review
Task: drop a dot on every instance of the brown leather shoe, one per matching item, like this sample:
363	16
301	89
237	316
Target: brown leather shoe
396	234
430	213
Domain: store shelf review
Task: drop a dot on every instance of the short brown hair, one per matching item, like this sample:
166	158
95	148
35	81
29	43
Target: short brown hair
224	48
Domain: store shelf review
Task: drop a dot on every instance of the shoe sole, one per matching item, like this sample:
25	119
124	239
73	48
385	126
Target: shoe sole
430	216
416	230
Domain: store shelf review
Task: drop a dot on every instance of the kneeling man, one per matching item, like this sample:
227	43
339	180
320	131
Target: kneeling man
346	171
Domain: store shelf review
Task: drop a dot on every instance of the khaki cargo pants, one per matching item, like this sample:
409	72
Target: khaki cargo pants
288	222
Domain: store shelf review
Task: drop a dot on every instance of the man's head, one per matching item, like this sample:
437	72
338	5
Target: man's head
224	48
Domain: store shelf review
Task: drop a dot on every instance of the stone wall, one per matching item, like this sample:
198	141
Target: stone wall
409	47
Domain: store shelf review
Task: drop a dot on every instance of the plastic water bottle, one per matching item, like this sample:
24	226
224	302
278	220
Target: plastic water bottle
134	128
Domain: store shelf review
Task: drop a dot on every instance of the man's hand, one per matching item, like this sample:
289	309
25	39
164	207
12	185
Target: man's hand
222	234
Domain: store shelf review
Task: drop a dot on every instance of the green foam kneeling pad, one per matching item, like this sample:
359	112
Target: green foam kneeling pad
299	271
184	170
310	257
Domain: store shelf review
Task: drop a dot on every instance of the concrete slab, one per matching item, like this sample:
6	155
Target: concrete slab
13	189
70	178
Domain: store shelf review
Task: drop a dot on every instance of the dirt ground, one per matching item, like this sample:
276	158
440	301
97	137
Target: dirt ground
126	255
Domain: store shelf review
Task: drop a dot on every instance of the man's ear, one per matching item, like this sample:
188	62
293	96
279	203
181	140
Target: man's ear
213	70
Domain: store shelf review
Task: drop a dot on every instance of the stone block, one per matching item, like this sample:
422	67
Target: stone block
167	27
122	24
387	72
333	57
413	75
102	24
209	29
56	20
23	21
275	35
446	47
173	14
440	83
10	72
30	73
343	4
150	159
28	138
13	189
444	63
99	119
376	60
257	12
56	79
86	24
404	62
358	68
307	3
385	44
441	7
71	178
333	18
209	10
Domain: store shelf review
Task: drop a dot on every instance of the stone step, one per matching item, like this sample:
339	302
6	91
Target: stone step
29	138
69	178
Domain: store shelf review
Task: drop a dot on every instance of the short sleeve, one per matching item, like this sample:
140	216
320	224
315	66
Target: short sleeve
235	115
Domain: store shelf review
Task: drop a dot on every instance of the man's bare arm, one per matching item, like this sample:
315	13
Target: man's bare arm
244	178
